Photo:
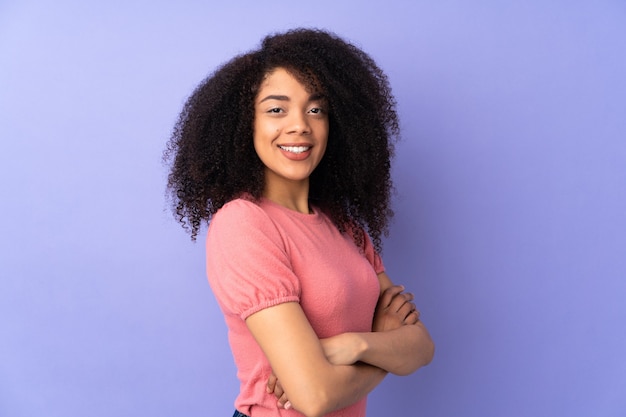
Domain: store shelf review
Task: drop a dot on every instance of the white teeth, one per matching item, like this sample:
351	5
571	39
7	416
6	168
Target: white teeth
295	149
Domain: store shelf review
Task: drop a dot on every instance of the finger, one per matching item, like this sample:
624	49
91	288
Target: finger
413	316
278	390
282	401
389	294
405	309
416	311
399	300
271	383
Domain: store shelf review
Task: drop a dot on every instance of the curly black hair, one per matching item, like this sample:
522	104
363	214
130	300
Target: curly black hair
211	150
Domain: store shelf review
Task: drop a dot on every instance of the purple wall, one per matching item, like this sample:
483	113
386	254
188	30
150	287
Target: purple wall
510	215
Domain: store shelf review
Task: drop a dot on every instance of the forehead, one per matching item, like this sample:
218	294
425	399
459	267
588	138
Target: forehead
282	78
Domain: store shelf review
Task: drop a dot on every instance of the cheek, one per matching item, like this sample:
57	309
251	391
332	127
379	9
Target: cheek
257	134
256	138
265	129
262	140
324	139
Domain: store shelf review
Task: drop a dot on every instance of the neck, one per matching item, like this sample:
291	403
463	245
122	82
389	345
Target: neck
294	196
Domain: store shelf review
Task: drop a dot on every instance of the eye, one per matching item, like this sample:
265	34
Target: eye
275	110
317	110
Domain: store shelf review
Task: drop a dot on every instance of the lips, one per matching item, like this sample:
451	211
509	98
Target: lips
296	152
295	149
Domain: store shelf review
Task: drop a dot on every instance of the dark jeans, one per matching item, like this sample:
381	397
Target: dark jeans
238	414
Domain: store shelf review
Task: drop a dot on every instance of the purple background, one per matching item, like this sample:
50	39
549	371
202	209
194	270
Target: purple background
510	214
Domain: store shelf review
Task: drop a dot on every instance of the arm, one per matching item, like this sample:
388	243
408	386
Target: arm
312	383
399	342
402	350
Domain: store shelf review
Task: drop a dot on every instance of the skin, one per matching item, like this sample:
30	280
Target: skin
287	115
311	375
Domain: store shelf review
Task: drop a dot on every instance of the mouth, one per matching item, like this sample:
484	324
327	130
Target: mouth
295	149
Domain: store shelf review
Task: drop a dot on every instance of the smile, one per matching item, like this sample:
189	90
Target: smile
295	149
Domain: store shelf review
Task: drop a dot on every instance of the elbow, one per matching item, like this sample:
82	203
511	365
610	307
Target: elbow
427	348
429	354
317	395
313	411
423	356
314	403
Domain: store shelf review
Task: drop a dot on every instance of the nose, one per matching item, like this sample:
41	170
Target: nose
299	124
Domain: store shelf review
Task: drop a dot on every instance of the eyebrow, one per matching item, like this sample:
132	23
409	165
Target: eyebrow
275	97
312	97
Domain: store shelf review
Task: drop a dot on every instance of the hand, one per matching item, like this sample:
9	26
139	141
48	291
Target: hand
274	387
394	309
342	349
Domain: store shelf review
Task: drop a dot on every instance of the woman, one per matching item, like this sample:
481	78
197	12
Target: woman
286	150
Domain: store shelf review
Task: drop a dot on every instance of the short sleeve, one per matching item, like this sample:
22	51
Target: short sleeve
372	255
248	267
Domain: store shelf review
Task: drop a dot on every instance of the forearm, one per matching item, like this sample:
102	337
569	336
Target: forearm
399	341
313	384
333	387
348	384
400	351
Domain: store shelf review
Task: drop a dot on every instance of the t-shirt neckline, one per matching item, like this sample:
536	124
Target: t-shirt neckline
314	217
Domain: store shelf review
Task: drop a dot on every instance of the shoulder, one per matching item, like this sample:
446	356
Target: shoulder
238	207
237	213
241	218
247	264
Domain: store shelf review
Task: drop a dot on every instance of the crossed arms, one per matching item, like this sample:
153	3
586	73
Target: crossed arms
318	376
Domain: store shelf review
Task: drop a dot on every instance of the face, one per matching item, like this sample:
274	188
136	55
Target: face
290	130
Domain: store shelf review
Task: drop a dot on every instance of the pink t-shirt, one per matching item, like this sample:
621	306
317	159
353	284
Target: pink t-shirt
263	254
